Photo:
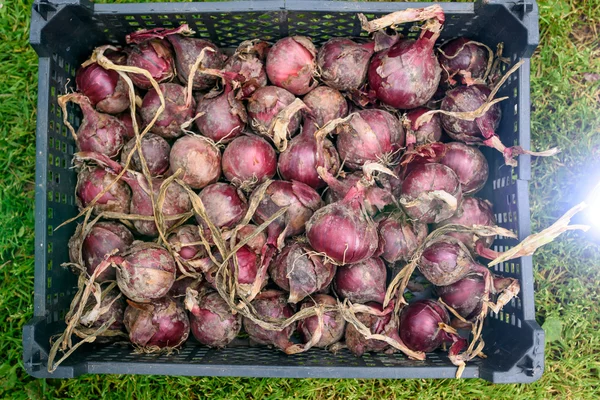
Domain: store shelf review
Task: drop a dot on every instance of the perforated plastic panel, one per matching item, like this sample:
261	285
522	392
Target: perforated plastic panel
64	36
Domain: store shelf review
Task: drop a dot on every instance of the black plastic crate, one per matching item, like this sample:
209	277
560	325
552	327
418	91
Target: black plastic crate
64	32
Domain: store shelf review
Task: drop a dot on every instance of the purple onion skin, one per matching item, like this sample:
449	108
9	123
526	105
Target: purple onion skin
199	159
356	143
334	323
177	201
342	233
249	158
156	152
296	271
116	310
399	238
325	104
445	262
264	105
463	61
362	282
406	75
181	238
469	165
145	273
252	68
424	179
225	206
464	296
428	132
343	64
91	182
385	325
299	161
469	98
248	262
107	91
212	322
156	57
162	323
273	304
291	64
376	197
99	132
222	118
302	200
176	113
419	325
182	283
104	238
126	120
187	50
473	211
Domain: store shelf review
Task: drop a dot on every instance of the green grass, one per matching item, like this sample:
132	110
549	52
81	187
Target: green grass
565	112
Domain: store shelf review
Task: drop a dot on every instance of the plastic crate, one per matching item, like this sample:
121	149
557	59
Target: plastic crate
64	32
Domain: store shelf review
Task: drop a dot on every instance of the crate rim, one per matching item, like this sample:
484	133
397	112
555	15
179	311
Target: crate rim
43	11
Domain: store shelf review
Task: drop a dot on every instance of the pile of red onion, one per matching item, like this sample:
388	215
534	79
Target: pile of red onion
206	198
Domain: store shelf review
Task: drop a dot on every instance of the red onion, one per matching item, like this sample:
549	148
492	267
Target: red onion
376	196
325	104
112	305
334	323
107	91
429	132
224	204
342	231
466	295
291	64
155	56
249	263
445	261
431	193
145	272
221	117
264	105
469	165
420	330
302	201
249	160
463	59
182	283
177	111
248	61
199	159
257	243
299	161
211	319
369	136
301	272
125	118
343	63
98	132
103	238
383	325
181	240
407	74
362	282
469	98
399	237
473	211
187	50
92	181
163	323
270	304
156	152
